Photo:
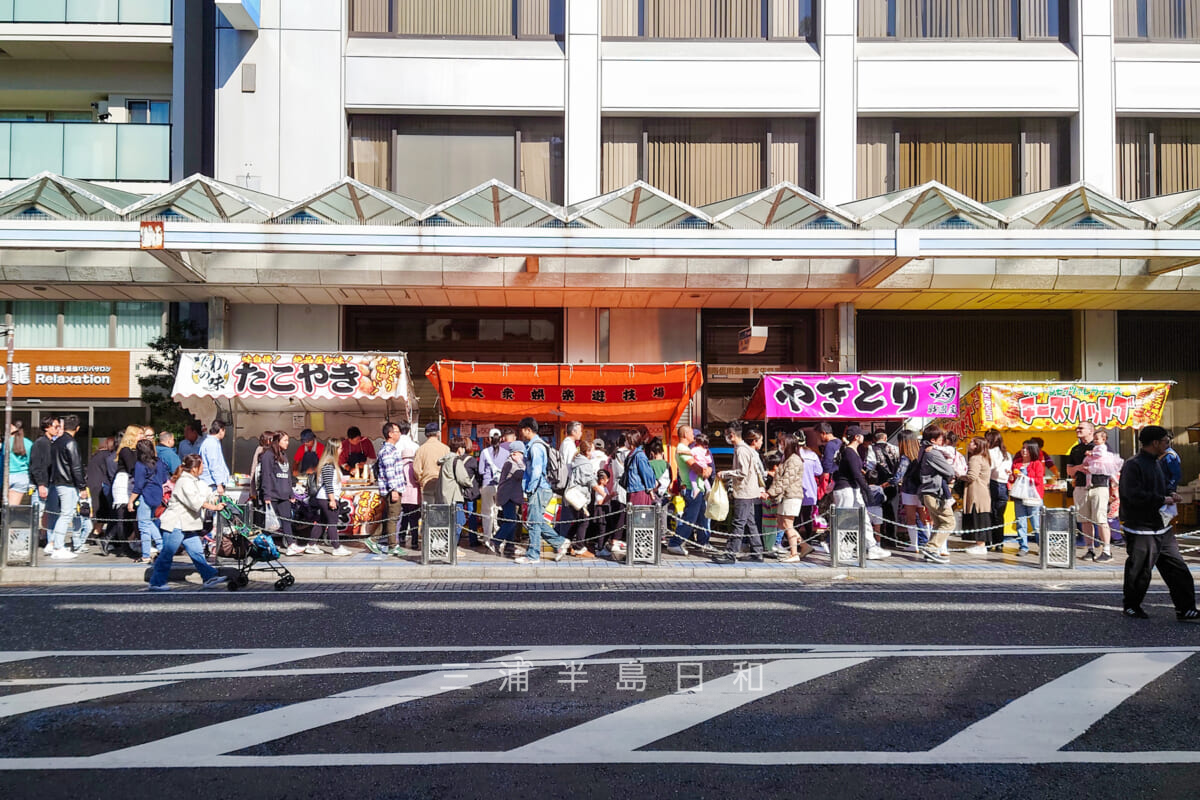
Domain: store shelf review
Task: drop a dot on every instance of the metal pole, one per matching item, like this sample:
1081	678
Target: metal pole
8	409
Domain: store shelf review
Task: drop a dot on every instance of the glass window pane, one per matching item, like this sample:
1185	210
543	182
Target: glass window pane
5	150
138	324
35	323
138	110
160	112
40	10
90	151
143	152
85	324
6	10
36	147
439	158
92	10
146	12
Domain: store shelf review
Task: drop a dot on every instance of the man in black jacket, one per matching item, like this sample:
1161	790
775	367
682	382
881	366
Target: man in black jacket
39	474
1147	530
69	481
100	470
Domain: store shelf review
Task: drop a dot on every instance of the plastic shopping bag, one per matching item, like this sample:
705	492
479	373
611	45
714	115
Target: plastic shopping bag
270	519
717	507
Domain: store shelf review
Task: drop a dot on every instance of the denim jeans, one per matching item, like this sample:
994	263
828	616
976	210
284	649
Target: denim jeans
693	524
537	526
1028	521
148	528
507	527
193	543
67	499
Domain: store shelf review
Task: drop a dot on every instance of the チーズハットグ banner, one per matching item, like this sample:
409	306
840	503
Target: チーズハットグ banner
327	376
1055	406
855	396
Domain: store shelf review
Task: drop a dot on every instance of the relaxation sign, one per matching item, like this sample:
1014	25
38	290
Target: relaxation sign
855	396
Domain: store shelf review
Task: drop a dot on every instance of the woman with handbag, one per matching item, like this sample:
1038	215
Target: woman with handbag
146	495
1001	463
1027	492
788	489
977	499
578	495
277	491
125	460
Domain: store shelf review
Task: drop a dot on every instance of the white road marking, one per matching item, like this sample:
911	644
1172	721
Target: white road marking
934	607
81	692
1056	713
200	744
642	724
557	606
191	607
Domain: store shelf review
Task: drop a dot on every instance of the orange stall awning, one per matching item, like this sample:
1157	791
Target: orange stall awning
588	393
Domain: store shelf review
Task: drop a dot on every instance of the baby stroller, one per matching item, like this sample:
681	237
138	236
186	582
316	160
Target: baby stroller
249	548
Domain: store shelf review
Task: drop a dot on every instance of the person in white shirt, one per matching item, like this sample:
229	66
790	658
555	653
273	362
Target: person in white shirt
566	454
491	461
1001	462
1102	467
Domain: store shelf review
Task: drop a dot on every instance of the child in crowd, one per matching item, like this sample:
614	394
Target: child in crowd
772	536
602	507
702	457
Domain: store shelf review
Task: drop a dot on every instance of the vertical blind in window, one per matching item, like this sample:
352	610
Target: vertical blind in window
138	324
960	19
462	18
370	16
542	159
370	140
620	148
708	19
35	323
1157	156
982	158
86	324
1161	20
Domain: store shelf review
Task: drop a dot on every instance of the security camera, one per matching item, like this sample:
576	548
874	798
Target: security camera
95	105
103	117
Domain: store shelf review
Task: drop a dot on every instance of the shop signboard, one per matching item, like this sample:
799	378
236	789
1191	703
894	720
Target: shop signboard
299	376
75	374
860	396
1061	406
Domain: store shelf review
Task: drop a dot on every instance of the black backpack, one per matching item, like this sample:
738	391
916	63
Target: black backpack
884	469
556	473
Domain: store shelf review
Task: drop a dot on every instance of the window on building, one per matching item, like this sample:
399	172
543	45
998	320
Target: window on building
1157	156
474	19
962	19
986	159
1157	20
86	324
708	19
153	112
702	161
35	323
433	158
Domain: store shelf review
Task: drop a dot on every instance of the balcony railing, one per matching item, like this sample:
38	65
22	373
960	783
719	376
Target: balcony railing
128	12
86	150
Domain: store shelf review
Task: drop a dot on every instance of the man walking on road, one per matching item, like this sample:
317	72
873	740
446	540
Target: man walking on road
537	496
1147	530
69	482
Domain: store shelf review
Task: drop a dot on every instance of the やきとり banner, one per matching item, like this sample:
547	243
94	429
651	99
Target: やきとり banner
860	396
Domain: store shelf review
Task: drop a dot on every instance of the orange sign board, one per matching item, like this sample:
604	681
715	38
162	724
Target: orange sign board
68	373
152	235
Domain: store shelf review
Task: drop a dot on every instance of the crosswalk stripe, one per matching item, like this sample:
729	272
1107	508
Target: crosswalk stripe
648	722
199	745
1056	713
40	699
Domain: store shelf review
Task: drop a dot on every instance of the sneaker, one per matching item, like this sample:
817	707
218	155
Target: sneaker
677	550
341	550
493	548
877	552
313	550
1136	613
153	552
561	552
976	550
605	553
373	547
724	558
821	547
1104	557
789	559
527	560
1191	615
1090	555
294	550
944	552
63	554
1024	551
929	554
397	551
153	588
83	548
584	553
780	550
49	548
214	582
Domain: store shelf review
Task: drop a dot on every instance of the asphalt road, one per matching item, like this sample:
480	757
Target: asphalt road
634	690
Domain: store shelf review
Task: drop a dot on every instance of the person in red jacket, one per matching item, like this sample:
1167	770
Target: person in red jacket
308	444
1028	508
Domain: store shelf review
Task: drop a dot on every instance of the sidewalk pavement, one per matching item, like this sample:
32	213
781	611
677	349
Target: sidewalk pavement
479	564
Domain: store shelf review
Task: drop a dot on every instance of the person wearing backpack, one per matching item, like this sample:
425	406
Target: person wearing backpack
146	495
453	479
538	493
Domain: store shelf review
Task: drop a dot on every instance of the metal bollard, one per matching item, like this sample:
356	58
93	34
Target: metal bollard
645	526
848	537
439	540
1056	538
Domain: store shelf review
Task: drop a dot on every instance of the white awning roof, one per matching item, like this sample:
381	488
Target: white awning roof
351	202
930	205
1079	205
1180	210
494	204
782	206
202	199
53	196
638	205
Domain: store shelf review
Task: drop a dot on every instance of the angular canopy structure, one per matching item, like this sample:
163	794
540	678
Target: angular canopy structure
1079	205
494	204
638	205
350	202
589	393
1178	211
48	195
780	207
201	199
930	205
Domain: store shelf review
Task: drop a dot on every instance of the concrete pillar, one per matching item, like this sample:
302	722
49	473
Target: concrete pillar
582	103
1096	345
1097	123
837	127
218	314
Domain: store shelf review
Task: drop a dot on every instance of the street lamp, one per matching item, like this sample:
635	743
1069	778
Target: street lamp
6	519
